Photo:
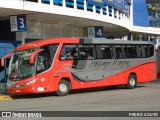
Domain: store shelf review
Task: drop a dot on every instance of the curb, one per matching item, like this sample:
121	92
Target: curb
6	97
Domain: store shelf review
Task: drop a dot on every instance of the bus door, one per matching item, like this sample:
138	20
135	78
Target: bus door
44	62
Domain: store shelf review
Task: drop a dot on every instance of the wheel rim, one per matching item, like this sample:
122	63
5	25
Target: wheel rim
63	88
132	81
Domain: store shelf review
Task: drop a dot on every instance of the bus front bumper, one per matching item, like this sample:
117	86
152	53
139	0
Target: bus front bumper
30	89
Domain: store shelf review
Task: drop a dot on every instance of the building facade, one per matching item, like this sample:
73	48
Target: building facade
146	20
28	20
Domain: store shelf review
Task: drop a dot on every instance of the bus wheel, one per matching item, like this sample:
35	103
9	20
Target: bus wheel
64	88
131	81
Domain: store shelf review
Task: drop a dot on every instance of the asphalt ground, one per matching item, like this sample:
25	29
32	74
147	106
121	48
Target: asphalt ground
145	97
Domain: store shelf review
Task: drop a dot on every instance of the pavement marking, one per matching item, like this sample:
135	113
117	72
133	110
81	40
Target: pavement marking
6	97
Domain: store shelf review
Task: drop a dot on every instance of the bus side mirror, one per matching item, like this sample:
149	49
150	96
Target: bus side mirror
3	58
33	54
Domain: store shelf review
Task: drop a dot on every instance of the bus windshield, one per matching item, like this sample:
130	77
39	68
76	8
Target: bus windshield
20	66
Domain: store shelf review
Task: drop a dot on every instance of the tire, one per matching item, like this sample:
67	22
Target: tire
64	88
132	81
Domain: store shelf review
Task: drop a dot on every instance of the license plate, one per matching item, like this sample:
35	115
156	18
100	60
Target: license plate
40	89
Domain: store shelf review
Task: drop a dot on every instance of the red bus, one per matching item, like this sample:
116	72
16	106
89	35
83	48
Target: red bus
63	64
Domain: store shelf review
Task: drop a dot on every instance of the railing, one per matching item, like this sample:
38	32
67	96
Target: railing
83	5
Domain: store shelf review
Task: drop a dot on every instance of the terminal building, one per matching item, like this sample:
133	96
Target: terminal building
28	20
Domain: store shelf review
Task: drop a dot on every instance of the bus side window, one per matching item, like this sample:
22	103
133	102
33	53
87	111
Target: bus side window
138	49
125	51
104	51
52	51
45	57
86	52
132	53
99	52
119	49
41	63
150	50
69	52
144	51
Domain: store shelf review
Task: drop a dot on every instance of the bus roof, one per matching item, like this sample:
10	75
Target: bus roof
39	43
110	41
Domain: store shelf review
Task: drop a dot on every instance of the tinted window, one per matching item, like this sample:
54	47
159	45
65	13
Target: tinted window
69	52
139	51
143	51
150	50
86	52
119	51
132	51
104	51
45	57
